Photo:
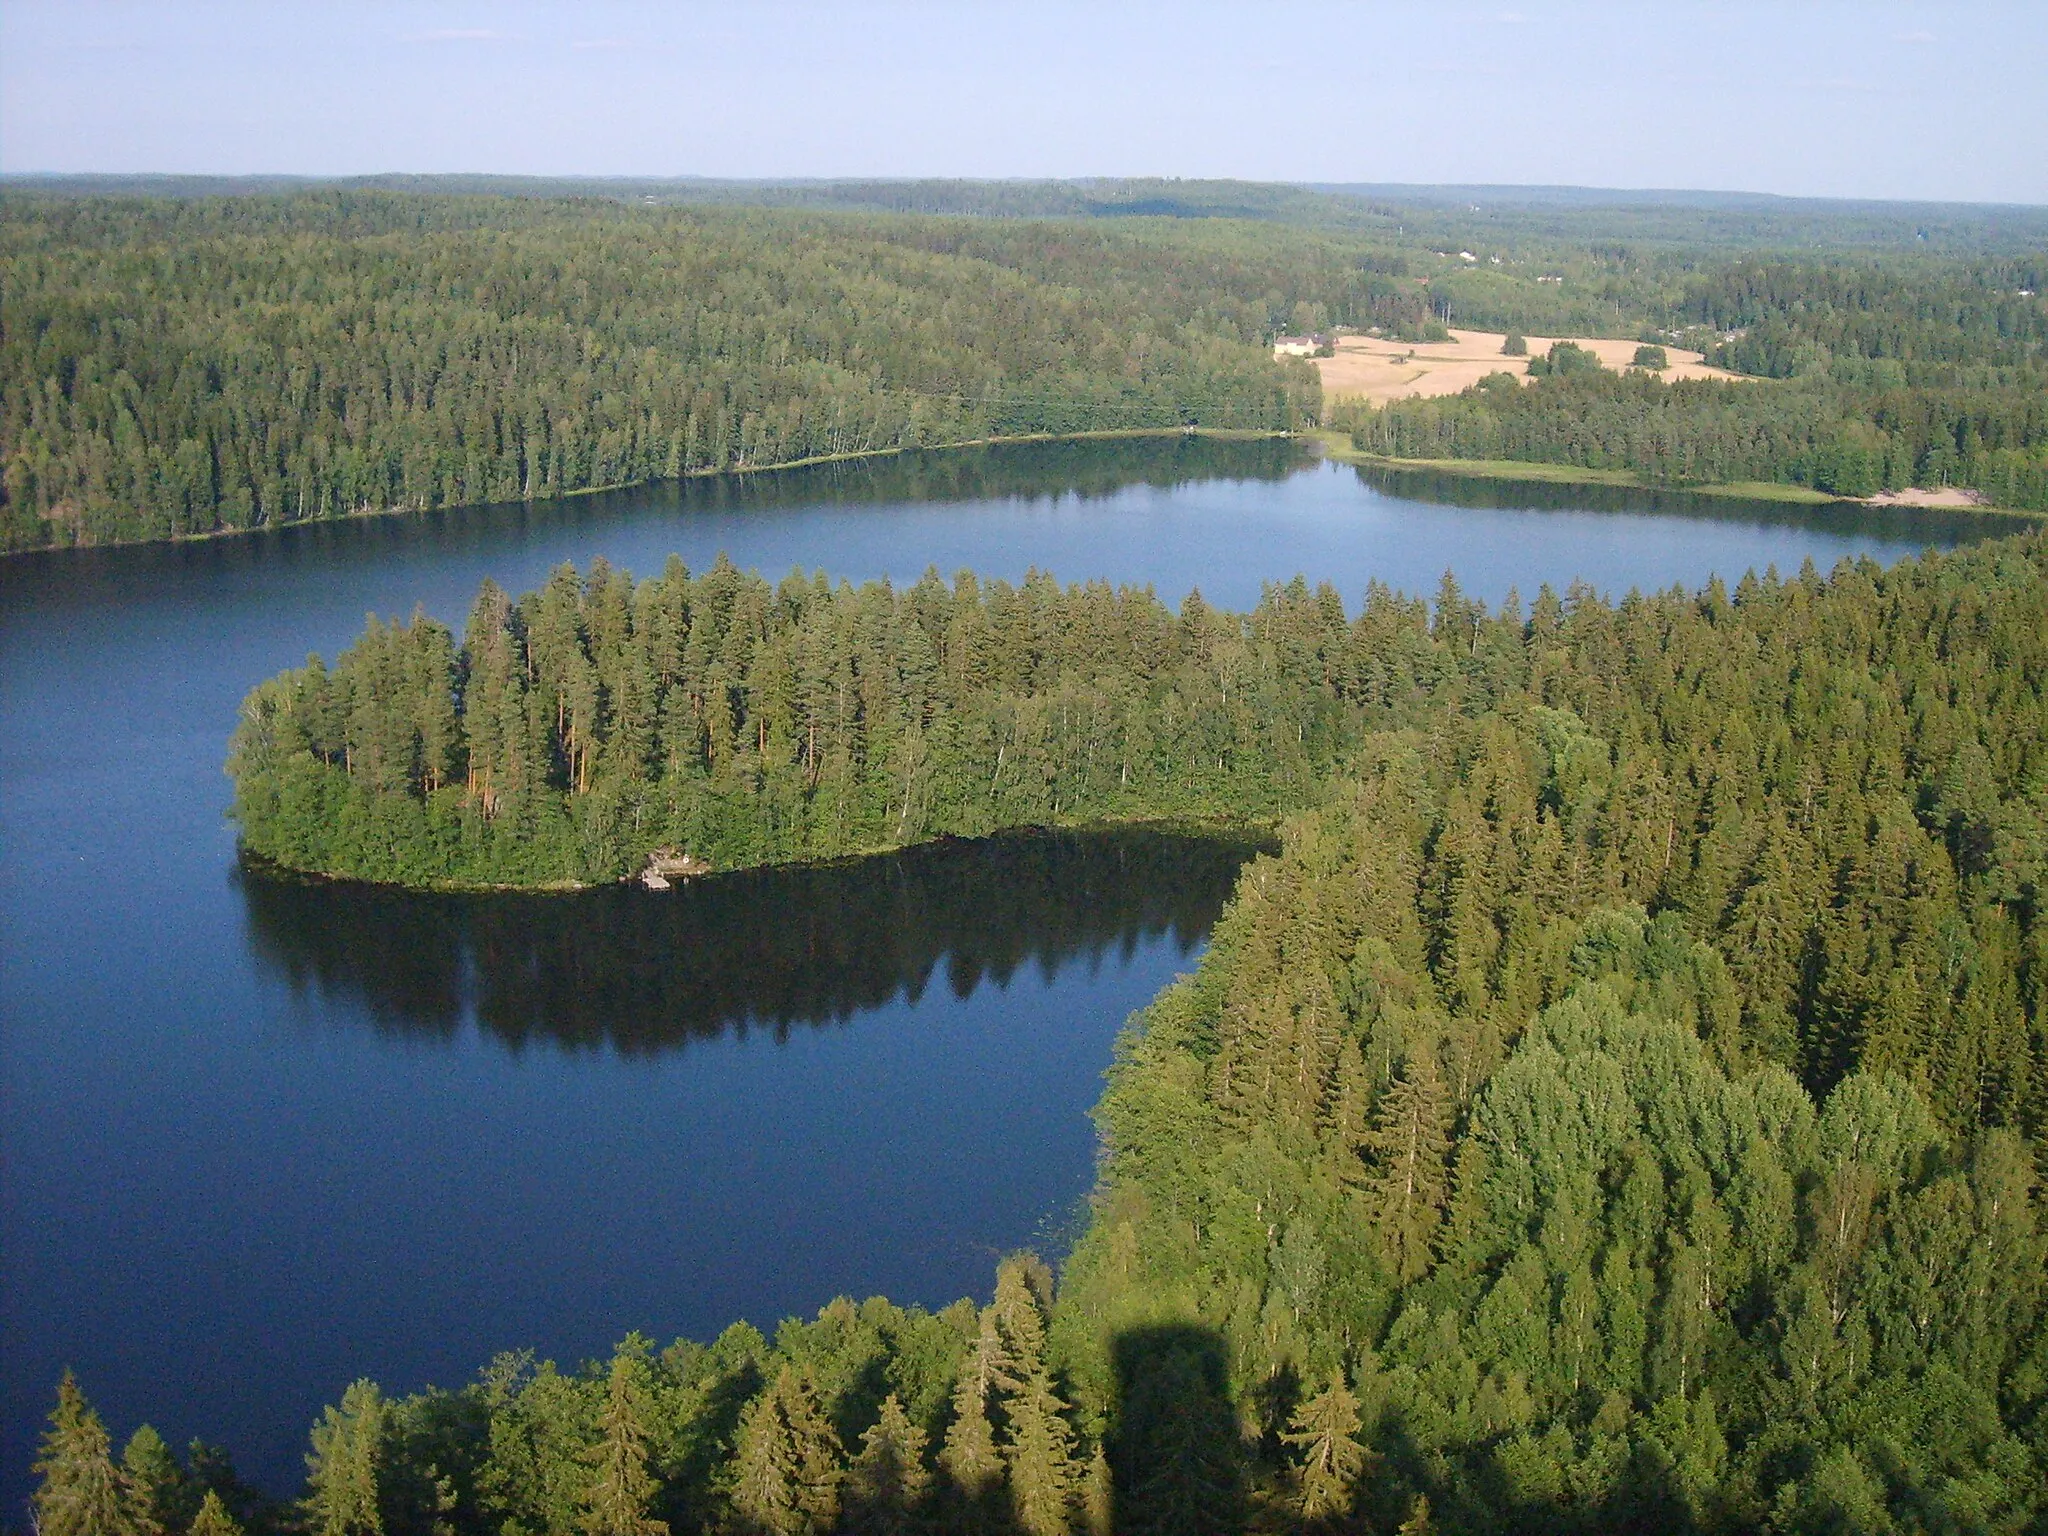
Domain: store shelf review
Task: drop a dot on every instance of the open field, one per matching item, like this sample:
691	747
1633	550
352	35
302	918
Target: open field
1945	496
1369	368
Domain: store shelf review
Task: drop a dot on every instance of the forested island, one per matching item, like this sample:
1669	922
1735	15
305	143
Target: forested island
177	366
1619	1104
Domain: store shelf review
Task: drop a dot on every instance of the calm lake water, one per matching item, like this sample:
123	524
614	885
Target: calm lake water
261	1137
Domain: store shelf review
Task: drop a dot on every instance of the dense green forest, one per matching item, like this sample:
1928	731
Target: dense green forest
574	732
1618	1105
1897	373
1848	441
176	368
173	366
1431	217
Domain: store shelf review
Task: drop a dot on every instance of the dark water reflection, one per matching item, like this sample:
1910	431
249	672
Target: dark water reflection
645	973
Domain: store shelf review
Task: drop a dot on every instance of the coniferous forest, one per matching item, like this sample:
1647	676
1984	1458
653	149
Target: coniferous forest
188	368
1617	1106
1619	1103
184	366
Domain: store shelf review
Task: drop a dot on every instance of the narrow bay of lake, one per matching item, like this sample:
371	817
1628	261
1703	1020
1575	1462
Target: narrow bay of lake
261	1137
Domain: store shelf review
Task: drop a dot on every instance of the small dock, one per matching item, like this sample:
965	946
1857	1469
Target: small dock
665	866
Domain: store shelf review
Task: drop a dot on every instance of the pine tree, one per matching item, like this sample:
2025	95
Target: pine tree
213	1518
81	1493
1419	1522
616	1504
1325	1431
346	1464
886	1488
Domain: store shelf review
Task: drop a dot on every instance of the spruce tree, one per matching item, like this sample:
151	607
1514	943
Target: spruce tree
345	1466
1410	1142
787	1462
81	1493
616	1504
885	1491
765	1473
1019	1317
1098	1496
969	1458
155	1484
1044	1477
213	1518
1039	1452
819	1459
1325	1433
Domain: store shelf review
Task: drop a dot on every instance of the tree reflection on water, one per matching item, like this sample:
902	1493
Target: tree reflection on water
645	972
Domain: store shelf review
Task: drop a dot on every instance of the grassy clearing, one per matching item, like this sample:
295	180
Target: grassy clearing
1337	445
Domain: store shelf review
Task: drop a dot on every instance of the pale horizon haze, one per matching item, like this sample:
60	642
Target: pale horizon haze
1907	101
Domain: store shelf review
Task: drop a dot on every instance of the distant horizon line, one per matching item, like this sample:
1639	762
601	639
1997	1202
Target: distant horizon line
1507	190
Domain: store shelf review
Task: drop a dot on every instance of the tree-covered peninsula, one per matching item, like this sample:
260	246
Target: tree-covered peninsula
576	731
1618	1106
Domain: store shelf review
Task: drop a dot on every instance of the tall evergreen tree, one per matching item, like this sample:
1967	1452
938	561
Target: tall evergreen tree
886	1487
1045	1479
1324	1433
619	1493
1410	1143
345	1465
213	1518
81	1492
787	1462
155	1484
970	1459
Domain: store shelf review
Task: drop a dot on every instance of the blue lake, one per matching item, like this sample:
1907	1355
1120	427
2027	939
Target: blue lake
260	1137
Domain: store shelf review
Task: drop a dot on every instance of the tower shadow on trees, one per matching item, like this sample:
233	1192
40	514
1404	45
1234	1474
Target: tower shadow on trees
1175	1456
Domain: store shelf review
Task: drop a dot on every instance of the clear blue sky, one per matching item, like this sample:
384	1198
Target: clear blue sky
1933	100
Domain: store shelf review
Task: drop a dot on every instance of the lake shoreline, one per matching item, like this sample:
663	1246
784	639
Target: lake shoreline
1332	445
1254	830
370	514
1337	447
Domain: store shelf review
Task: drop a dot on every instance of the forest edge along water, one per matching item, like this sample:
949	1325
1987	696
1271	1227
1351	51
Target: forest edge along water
303	1133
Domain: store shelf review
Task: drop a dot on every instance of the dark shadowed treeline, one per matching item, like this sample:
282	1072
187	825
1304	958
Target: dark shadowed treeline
1618	1106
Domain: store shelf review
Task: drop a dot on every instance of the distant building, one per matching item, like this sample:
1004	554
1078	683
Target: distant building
1294	346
